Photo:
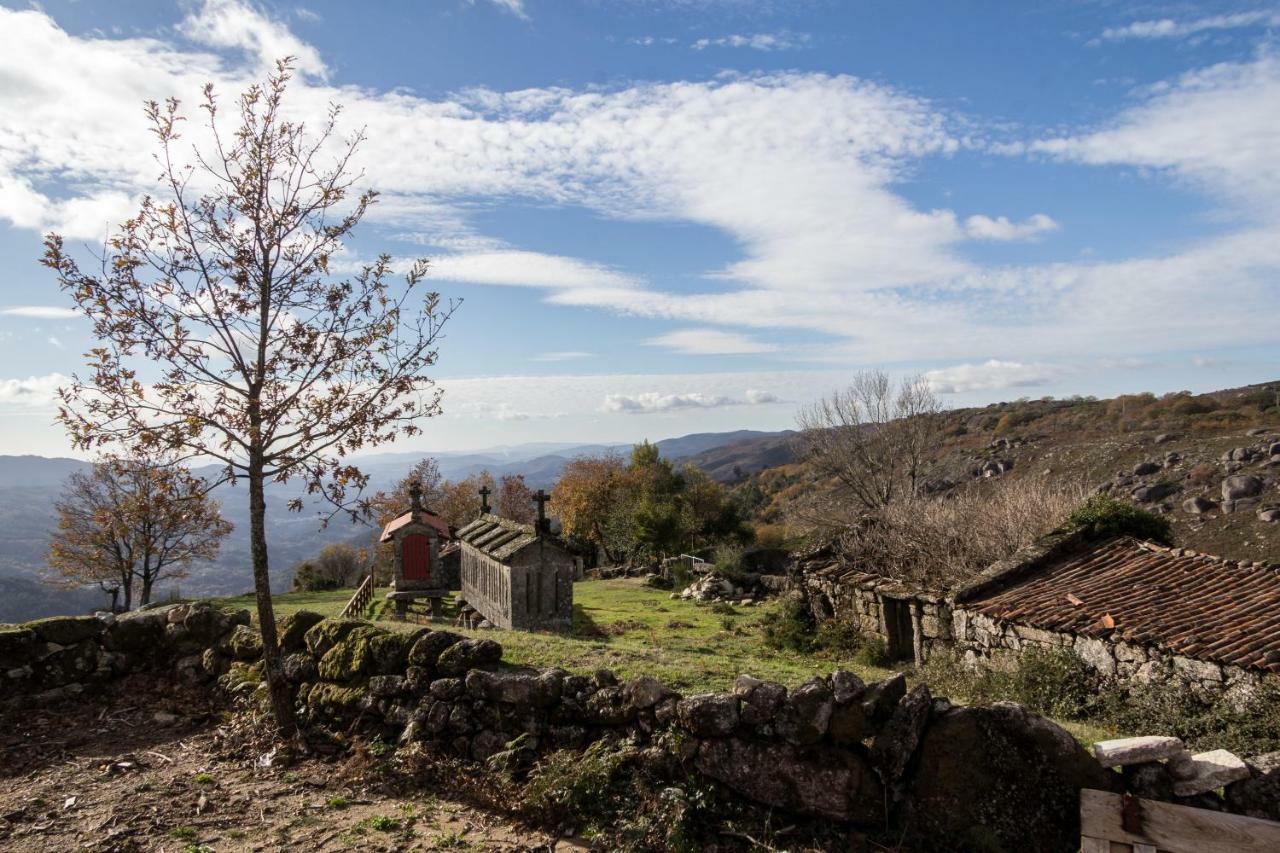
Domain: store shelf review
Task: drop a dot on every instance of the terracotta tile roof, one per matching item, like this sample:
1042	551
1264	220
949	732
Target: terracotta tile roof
1190	604
427	517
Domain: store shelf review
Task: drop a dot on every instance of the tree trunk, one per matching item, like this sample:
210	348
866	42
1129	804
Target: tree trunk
278	688
146	592
127	589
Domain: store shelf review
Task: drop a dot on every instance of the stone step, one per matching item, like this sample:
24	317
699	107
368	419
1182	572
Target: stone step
1122	752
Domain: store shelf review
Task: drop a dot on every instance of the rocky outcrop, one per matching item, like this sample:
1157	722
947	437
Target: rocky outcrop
992	778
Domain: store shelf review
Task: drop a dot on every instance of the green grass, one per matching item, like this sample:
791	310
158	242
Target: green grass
634	630
327	603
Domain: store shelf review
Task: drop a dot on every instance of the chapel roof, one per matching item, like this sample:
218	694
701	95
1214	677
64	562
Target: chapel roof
501	538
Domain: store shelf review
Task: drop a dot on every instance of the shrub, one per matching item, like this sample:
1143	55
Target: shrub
1052	682
336	566
791	626
1103	516
838	635
872	651
571	787
1204	722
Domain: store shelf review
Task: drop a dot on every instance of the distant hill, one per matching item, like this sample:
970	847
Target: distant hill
29	485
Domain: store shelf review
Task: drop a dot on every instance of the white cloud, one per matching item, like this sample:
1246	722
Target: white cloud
1167	28
991	375
710	342
534	269
54	342
567	355
236	24
1217	128
828	243
759	398
981	227
654	401
515	7
34	392
757	41
40	312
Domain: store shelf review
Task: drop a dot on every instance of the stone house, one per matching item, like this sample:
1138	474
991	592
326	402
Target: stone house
517	576
1131	609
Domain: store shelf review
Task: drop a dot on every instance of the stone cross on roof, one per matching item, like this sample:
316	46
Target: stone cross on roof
485	491
415	496
541	499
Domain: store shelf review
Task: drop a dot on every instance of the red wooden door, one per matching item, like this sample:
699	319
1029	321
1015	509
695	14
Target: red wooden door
417	557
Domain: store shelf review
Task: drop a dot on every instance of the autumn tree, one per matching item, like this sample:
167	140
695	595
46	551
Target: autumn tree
515	499
337	565
129	523
224	334
874	437
460	499
584	497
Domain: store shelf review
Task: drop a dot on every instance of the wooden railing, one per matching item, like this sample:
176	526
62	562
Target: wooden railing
364	594
1110	823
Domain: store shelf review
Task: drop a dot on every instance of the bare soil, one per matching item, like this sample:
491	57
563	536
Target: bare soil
154	769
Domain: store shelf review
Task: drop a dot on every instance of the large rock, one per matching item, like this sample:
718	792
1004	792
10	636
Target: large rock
992	778
820	782
323	636
1154	492
141	631
804	717
426	650
1241	486
67	630
1142	469
243	643
351	659
292	629
880	699
523	689
17	646
645	692
1213	770
709	714
1137	750
461	657
206	623
1259	795
761	700
896	742
1199	505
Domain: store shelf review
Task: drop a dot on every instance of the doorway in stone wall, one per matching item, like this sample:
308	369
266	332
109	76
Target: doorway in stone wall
898	629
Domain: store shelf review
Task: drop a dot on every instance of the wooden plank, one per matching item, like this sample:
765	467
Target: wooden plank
1177	829
1144	848
1094	845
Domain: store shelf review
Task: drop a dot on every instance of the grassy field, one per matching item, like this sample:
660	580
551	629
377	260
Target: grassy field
633	630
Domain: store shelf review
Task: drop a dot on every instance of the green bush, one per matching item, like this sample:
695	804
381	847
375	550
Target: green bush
576	787
1052	682
872	651
791	626
1103	516
839	635
1247	728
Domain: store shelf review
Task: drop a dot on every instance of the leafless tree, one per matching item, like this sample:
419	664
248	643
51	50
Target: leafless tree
266	361
874	437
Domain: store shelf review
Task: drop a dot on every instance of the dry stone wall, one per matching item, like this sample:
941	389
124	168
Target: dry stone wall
877	756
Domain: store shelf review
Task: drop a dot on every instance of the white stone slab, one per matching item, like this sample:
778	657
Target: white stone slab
1213	770
1136	750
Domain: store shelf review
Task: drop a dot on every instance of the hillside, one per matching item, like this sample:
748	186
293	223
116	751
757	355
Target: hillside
1171	454
29	485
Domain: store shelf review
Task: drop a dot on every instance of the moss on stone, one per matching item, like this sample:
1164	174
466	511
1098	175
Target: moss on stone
243	643
66	630
323	636
353	658
331	699
294	627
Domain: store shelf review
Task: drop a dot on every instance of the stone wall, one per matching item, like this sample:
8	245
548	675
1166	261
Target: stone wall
873	605
877	756
983	641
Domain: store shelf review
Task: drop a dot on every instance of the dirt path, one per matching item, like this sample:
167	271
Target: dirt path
138	774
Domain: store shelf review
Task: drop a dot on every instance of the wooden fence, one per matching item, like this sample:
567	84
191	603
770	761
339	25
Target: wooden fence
363	595
1115	823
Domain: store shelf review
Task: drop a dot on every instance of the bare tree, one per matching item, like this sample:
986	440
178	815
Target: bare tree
873	437
127	524
267	363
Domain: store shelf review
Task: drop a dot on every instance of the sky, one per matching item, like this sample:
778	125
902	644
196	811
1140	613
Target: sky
677	216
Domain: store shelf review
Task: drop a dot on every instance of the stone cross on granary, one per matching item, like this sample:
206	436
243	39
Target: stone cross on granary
541	499
415	496
485	491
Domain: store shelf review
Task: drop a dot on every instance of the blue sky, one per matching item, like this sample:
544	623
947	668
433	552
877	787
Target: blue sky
670	216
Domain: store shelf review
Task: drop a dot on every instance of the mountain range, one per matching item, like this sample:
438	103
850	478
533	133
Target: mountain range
29	486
